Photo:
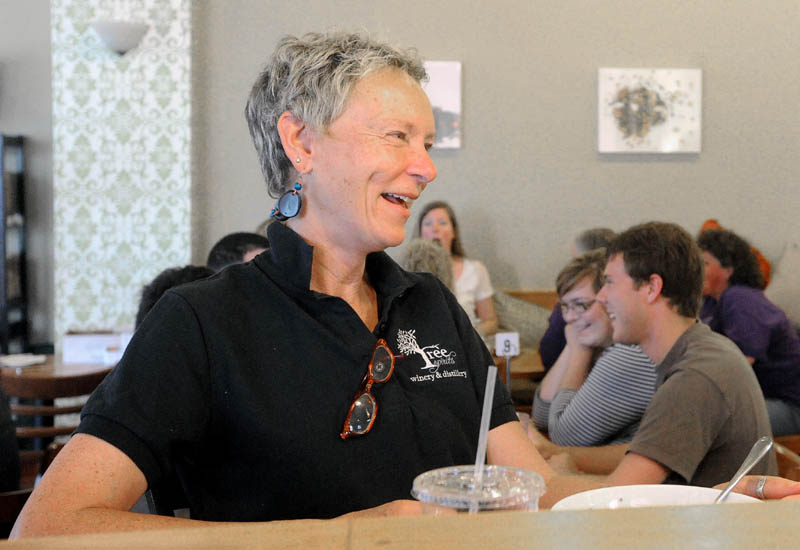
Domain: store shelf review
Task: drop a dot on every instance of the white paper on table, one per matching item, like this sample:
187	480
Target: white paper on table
17	360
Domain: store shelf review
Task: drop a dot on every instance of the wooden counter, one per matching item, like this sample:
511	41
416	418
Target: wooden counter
768	525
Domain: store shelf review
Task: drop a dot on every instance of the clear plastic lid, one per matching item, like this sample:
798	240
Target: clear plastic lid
500	487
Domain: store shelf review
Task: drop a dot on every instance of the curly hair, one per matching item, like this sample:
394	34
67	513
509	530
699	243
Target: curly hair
428	256
732	251
312	77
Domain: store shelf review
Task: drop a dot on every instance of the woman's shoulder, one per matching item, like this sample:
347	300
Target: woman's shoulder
475	268
741	297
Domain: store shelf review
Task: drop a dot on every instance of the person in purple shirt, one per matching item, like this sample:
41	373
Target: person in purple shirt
735	305
553	341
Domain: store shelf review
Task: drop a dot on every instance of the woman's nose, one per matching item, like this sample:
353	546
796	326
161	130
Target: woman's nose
570	315
422	167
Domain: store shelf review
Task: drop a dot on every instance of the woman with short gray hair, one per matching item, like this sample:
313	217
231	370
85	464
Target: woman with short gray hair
257	391
311	77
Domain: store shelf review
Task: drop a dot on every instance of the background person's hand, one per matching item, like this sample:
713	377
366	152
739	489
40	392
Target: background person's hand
545	447
775	487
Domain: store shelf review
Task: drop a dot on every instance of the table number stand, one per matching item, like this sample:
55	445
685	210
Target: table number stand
506	344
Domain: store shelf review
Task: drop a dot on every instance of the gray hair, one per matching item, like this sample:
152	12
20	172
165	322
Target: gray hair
428	256
594	238
312	77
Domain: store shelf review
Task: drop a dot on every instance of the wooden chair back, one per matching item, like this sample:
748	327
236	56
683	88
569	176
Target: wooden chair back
544	298
38	394
11	503
787	449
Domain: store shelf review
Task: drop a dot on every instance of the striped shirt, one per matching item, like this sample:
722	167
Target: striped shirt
608	406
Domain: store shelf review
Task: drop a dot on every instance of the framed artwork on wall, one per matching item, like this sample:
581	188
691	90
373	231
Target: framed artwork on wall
444	91
649	110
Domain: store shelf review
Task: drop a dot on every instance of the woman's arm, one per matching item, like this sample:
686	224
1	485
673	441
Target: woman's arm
608	404
573	354
89	487
484	309
483	292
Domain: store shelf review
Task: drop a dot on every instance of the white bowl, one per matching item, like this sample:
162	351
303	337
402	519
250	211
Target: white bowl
636	496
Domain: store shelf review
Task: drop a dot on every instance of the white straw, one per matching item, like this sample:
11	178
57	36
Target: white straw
480	457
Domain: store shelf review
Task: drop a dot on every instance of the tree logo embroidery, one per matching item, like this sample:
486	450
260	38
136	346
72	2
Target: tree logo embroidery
434	356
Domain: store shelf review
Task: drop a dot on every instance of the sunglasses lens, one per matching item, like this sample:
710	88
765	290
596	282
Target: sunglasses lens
381	364
363	411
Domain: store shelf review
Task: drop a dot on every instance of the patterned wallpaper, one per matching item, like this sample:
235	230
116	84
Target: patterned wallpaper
121	158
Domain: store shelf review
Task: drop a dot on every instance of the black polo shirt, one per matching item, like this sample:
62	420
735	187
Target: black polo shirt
240	385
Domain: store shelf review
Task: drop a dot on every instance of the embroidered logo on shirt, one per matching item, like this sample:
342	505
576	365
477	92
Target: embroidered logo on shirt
433	356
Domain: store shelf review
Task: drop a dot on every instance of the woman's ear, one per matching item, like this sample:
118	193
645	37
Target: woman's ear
296	141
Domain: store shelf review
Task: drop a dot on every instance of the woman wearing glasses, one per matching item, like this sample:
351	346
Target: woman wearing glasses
596	392
320	378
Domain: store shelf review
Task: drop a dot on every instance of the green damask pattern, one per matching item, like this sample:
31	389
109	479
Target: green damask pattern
121	147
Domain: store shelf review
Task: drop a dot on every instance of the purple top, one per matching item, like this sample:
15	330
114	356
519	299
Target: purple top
763	332
553	340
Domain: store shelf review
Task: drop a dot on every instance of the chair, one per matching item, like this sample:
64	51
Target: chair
11	503
42	390
167	499
787	449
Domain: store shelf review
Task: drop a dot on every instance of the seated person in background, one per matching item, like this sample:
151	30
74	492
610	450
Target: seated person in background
236	248
708	409
597	391
736	306
423	256
473	289
9	451
763	263
170	277
553	340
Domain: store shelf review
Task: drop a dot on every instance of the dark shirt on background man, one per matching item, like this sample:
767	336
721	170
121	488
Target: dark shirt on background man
553	341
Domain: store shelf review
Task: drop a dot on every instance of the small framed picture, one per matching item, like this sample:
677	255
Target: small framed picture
649	110
444	91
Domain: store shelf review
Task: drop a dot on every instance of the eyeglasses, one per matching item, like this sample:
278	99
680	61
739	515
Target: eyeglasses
361	415
576	307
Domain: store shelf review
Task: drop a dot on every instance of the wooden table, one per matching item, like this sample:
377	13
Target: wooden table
527	365
767	525
36	387
51	379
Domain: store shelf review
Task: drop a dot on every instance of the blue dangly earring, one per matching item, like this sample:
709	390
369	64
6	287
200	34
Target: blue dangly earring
289	204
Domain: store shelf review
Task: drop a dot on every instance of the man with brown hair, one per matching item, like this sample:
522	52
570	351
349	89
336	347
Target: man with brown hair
708	409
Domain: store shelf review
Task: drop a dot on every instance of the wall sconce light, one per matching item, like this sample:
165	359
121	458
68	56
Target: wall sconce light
120	36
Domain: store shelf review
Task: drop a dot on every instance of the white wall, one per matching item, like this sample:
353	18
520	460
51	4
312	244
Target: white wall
528	176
